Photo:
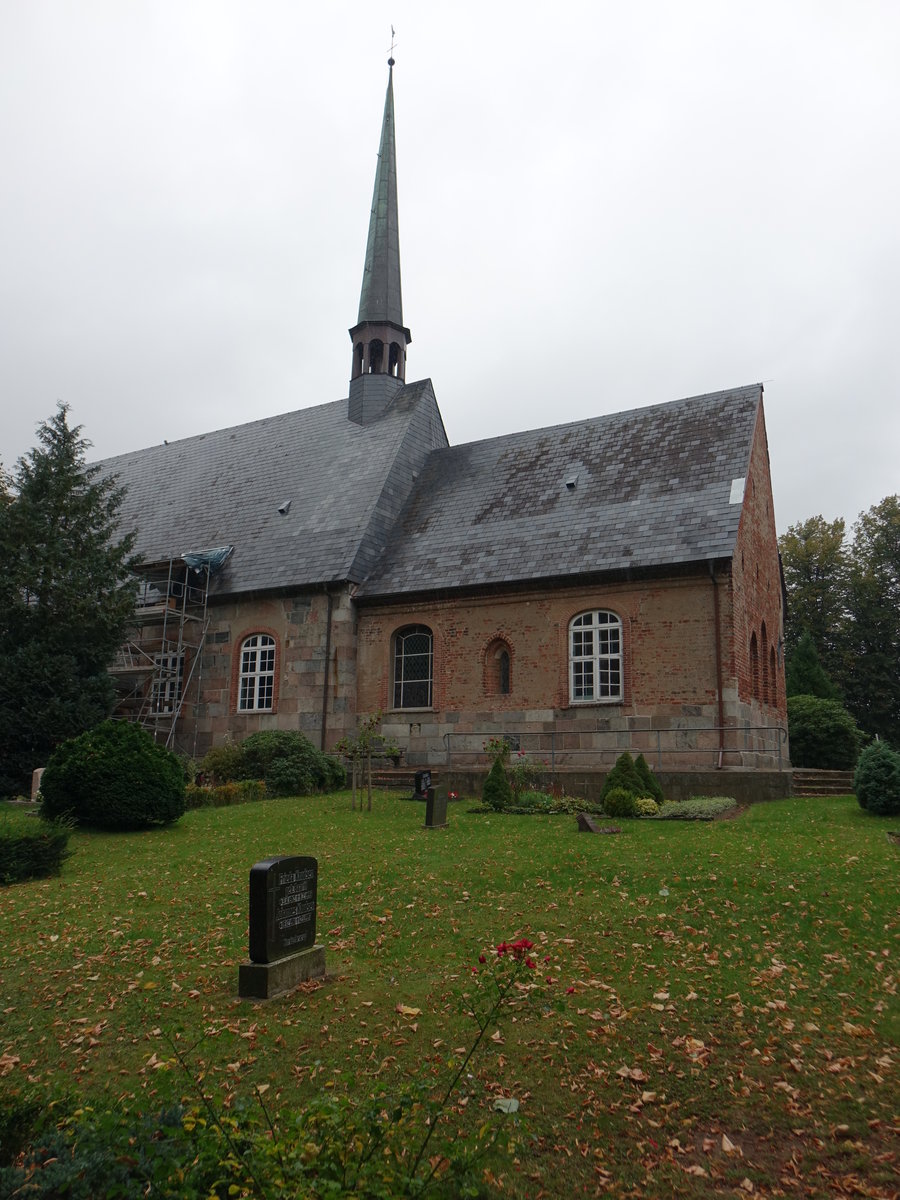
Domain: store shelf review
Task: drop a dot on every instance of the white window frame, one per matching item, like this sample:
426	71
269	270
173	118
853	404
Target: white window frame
167	682
256	677
596	673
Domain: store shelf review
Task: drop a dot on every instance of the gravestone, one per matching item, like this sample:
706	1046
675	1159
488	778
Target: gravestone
587	824
283	950
36	776
436	808
421	785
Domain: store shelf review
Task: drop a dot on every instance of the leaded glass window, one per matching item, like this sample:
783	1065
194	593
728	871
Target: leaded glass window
413	667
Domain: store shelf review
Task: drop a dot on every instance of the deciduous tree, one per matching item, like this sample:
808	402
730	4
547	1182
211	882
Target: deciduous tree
871	668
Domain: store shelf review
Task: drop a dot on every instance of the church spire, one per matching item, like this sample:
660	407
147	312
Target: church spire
379	337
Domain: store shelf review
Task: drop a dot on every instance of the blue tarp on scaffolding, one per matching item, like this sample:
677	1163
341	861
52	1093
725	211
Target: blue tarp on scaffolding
211	560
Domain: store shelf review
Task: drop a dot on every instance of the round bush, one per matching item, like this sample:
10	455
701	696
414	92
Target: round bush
114	777
289	763
619	802
223	764
877	780
822	733
289	777
647	807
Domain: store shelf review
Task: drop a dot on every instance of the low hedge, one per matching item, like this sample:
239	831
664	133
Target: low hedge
245	791
31	848
697	808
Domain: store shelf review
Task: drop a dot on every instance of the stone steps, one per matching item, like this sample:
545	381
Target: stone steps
808	782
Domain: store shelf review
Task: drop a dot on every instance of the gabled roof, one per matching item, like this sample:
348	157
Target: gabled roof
343	485
650	488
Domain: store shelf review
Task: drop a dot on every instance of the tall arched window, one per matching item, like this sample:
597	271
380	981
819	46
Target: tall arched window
498	669
764	657
595	657
413	667
754	666
257	677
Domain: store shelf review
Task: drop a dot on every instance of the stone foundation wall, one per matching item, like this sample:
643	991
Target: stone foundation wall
746	786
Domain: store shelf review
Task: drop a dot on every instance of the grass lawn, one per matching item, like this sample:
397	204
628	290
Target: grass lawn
735	1036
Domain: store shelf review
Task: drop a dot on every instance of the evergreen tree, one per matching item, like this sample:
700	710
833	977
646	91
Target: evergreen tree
805	675
66	598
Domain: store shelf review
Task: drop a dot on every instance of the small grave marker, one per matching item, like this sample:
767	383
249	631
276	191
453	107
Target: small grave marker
587	824
436	808
283	953
421	785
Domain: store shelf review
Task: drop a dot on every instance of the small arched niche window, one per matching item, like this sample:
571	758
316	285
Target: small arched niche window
257	675
754	666
595	657
413	667
498	668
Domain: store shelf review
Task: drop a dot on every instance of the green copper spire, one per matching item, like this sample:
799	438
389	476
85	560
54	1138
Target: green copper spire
380	298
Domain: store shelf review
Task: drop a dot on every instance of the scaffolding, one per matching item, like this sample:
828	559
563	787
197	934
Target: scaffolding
157	671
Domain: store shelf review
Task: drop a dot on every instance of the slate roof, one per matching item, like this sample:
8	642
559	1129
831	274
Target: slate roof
346	484
653	488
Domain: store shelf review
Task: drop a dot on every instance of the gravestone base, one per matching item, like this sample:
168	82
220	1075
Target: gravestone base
265	981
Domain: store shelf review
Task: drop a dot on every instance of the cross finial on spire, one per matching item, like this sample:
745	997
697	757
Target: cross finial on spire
391	51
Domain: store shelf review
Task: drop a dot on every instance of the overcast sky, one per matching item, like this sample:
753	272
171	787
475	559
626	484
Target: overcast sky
602	205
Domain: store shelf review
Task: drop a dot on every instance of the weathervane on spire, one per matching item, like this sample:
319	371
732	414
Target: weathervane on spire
391	51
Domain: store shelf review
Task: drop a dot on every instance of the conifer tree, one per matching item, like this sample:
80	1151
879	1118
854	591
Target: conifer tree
805	675
65	599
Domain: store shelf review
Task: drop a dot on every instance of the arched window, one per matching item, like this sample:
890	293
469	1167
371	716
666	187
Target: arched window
498	668
257	677
764	656
413	667
595	657
754	666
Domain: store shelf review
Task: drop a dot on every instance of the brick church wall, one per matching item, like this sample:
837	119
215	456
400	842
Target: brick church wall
670	682
757	597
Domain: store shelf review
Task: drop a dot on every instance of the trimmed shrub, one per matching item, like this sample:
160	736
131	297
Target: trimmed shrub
620	802
497	793
29	848
650	783
623	775
823	734
114	777
287	761
877	780
647	807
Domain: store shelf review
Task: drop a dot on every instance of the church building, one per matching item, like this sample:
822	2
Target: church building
607	584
